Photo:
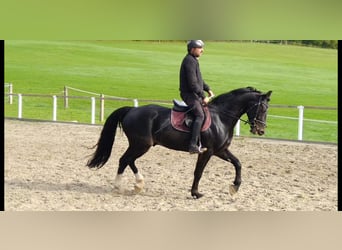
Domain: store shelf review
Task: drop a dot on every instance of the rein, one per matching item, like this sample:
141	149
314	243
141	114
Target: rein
255	118
238	118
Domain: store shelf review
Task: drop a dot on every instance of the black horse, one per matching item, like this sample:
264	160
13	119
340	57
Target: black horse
150	125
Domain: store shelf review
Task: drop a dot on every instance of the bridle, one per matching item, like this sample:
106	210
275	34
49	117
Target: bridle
255	120
252	122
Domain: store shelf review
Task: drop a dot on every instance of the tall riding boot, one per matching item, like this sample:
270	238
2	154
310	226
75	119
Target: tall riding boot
196	130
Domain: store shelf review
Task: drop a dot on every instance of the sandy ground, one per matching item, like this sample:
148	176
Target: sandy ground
45	171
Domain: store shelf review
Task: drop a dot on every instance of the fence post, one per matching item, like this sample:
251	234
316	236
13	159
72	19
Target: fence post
300	122
10	93
135	102
237	127
54	111
92	110
20	106
66	100
101	107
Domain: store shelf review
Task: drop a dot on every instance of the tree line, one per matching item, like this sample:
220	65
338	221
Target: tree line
331	44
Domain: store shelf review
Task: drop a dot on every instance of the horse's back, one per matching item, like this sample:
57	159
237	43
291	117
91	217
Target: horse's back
141	120
146	112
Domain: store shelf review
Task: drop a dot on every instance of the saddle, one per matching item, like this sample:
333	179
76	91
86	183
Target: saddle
181	117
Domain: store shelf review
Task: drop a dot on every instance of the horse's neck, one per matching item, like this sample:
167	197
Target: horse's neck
233	110
243	104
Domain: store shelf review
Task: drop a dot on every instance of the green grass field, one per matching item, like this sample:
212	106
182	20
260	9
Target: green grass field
149	70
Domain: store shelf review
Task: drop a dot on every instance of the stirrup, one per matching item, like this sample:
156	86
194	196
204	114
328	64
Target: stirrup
197	150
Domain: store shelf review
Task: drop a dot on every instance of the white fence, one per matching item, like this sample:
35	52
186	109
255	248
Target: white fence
10	92
102	99
300	122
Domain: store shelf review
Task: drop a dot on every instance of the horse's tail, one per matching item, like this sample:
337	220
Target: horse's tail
106	141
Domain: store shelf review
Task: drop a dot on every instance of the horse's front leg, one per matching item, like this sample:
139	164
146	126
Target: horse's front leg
228	156
202	161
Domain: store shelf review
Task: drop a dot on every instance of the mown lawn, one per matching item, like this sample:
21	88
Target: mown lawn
149	70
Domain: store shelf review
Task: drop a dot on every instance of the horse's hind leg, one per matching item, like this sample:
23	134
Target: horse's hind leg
128	159
139	179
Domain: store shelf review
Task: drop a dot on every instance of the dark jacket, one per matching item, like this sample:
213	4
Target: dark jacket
190	78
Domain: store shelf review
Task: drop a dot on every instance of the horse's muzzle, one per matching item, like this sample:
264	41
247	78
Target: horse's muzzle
257	130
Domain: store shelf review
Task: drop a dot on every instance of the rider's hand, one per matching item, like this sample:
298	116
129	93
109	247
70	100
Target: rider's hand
206	100
211	94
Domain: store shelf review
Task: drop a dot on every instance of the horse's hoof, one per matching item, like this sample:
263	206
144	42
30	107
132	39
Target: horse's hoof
139	186
118	187
137	190
196	195
233	190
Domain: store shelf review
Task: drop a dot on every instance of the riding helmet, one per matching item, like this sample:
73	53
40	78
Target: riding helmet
195	44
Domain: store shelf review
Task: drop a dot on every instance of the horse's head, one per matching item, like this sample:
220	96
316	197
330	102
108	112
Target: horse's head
257	114
244	100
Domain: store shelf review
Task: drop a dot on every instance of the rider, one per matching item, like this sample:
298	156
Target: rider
192	89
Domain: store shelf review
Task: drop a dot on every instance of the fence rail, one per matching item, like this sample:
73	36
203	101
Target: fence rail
10	92
102	99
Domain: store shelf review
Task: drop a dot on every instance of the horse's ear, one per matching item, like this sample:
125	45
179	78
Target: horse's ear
268	94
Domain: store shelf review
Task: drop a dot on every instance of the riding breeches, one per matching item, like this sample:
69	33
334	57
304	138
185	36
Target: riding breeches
195	107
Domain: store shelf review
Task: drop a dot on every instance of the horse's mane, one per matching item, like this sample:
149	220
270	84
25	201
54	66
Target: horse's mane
223	98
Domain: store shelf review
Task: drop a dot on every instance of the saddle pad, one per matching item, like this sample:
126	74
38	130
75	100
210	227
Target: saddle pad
178	118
